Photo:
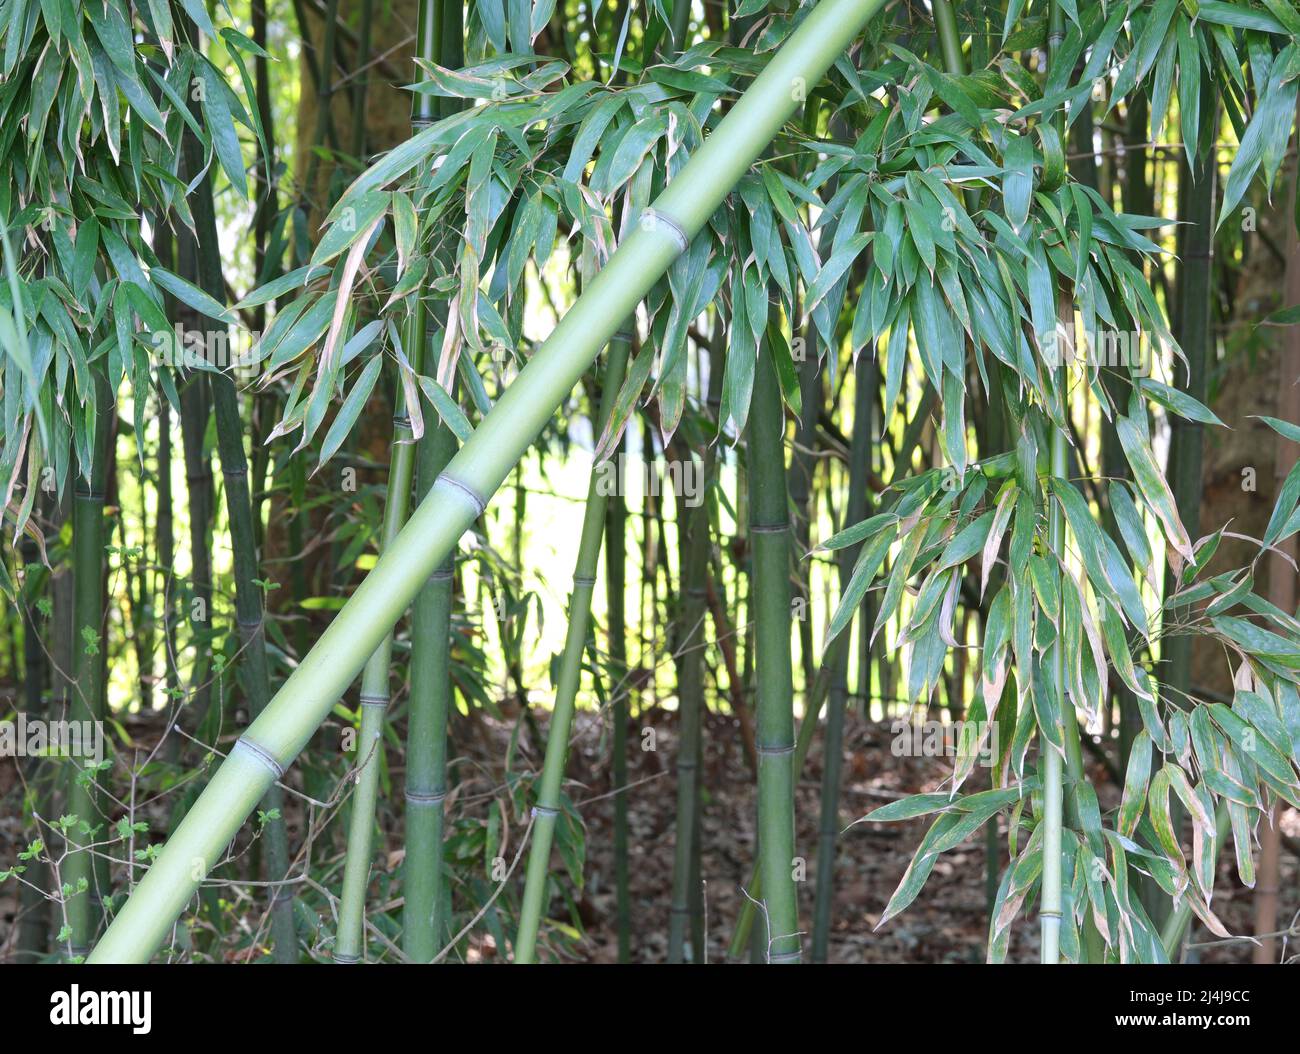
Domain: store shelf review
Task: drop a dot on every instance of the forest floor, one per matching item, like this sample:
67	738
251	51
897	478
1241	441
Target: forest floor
946	923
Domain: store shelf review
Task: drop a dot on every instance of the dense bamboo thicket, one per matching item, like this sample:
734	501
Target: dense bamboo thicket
713	459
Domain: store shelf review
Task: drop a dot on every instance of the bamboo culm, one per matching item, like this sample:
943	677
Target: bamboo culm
349	946
440	33
423	920
694	590
855	512
255	673
615	591
547	809
740	938
769	530
461	493
86	699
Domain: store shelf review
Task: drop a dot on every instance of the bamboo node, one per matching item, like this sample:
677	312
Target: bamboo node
776	752
443	574
786	957
584	580
653	218
343	959
260	753
544	811
367	699
769	528
479	503
96	496
423	798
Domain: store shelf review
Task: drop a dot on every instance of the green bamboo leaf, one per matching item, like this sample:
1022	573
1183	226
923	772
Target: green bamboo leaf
1152	483
859	531
447	408
1018	184
351	409
1283	428
864	573
1135	785
1252	744
1287	316
350	223
969	541
909	808
918	870
833	269
1130	523
1179	402
221	125
632	149
188	293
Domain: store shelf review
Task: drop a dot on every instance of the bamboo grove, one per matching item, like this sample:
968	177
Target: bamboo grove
940	313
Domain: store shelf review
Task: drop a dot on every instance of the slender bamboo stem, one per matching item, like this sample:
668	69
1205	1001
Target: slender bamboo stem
547	809
423	918
1281	582
690	697
855	512
1053	775
769	529
33	908
249	614
349	946
616	647
195	409
462	491
374	698
821	686
86	700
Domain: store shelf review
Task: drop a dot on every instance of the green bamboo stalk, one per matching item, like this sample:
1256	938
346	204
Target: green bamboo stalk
1193	332
1050	909
821	686
349	943
460	495
829	827
547	809
166	546
616	648
200	500
33	907
249	615
86	700
423	922
769	530
439	33
690	698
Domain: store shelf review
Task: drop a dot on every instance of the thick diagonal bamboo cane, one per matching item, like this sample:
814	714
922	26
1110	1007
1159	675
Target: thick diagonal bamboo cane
462	491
